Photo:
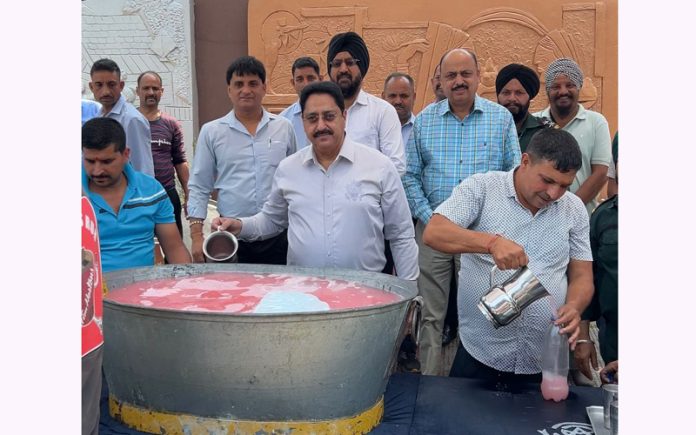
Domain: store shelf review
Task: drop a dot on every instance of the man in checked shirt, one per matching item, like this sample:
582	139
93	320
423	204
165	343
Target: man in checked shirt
451	140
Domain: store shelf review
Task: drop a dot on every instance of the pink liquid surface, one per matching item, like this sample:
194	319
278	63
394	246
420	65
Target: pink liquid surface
554	387
250	293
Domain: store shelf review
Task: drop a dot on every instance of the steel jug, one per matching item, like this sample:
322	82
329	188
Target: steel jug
504	303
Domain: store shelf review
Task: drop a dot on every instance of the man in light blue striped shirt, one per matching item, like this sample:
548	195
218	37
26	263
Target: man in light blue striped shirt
305	70
451	140
238	155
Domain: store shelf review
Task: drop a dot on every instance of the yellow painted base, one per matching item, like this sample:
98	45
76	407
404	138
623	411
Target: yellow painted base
156	422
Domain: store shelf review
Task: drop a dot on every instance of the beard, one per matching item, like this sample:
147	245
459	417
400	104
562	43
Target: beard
565	110
349	90
519	114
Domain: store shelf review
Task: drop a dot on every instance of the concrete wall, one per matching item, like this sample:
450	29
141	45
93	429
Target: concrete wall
412	36
221	36
142	35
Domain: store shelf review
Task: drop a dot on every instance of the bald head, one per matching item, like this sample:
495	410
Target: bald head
460	78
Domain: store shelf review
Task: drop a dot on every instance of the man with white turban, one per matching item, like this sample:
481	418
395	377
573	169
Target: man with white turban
563	83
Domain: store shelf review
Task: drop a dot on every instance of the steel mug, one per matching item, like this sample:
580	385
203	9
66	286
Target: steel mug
220	246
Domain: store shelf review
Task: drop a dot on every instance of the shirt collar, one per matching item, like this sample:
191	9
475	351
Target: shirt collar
510	191
296	108
347	151
233	122
582	113
444	107
410	121
118	107
362	98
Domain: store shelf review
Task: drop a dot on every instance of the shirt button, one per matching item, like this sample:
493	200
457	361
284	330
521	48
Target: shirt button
460	160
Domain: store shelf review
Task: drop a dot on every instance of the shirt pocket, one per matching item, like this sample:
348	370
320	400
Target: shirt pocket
277	151
488	157
608	249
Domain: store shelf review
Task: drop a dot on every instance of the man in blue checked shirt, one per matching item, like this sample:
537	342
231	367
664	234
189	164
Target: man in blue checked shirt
451	140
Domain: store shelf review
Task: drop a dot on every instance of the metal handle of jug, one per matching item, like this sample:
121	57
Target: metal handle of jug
493	269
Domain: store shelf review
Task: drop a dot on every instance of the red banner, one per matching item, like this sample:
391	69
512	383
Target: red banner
92	336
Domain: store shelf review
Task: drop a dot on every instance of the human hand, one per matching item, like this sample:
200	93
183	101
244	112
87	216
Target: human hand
232	225
507	254
197	249
584	355
568	320
610	373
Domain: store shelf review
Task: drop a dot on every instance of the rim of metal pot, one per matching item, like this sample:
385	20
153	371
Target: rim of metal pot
117	279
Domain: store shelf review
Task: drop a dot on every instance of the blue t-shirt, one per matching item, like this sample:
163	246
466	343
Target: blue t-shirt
90	109
127	239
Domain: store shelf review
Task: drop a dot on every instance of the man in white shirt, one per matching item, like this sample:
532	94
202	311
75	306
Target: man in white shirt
338	199
305	70
237	155
370	120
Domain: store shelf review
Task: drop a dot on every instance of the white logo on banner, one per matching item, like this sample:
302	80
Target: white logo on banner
568	428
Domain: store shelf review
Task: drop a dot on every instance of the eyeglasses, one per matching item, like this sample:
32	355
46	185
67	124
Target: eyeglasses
336	63
313	118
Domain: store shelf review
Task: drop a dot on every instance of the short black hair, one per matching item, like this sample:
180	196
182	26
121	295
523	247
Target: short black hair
246	66
100	133
105	65
469	52
557	146
149	72
329	88
304	62
398	74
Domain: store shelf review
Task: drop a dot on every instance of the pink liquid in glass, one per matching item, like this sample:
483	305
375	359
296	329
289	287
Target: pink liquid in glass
554	387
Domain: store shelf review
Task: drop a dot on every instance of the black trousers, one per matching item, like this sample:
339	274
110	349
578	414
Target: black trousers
466	366
269	251
176	202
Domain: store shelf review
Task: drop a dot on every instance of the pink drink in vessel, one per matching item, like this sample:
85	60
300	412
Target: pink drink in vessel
554	365
554	387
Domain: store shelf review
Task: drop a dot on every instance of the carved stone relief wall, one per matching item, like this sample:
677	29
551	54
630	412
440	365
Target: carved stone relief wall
533	33
142	35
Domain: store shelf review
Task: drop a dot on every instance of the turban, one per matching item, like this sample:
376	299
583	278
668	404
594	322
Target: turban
353	44
526	76
566	67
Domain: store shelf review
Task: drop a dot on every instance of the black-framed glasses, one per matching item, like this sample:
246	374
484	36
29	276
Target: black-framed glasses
313	118
336	63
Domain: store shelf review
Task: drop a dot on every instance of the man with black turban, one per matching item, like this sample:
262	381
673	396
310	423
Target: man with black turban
564	80
371	120
516	86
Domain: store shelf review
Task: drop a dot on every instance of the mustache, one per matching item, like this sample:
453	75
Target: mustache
462	86
344	74
322	133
